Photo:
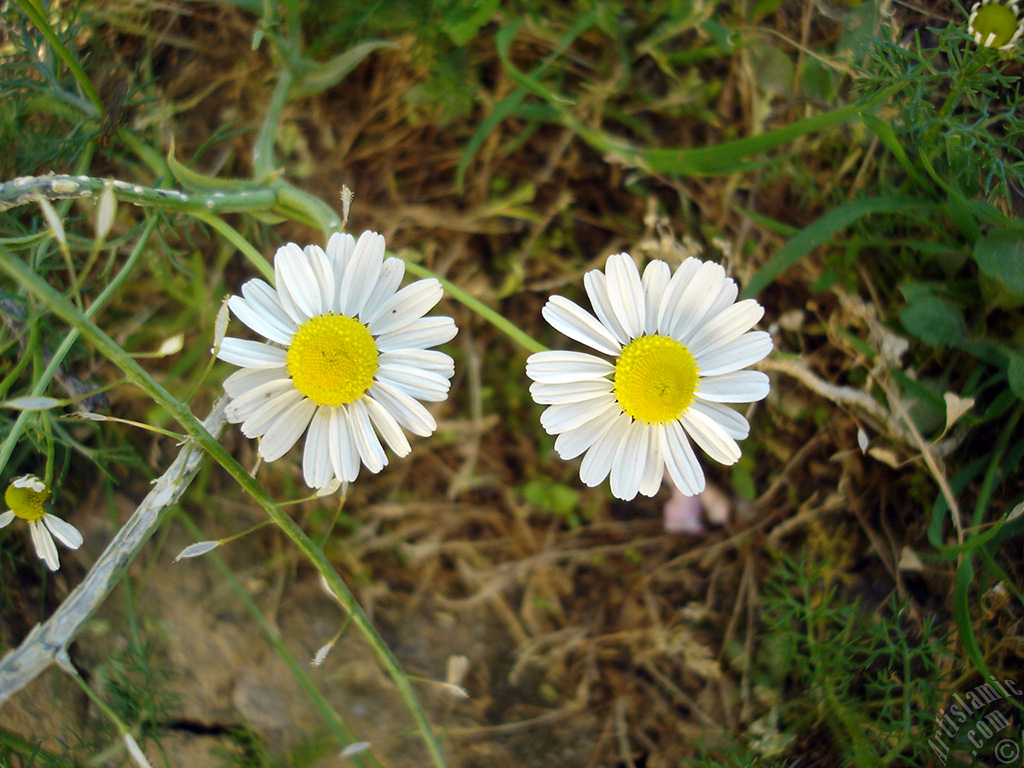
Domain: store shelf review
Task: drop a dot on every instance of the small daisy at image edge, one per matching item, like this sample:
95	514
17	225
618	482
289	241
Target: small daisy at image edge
677	345
347	355
995	24
26	498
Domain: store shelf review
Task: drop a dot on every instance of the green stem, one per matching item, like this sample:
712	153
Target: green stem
474	304
107	347
28	189
235	237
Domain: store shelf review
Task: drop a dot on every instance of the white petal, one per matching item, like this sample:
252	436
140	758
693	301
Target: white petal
598	462
710	436
262	418
423	385
259	309
410	303
626	293
391	274
6	518
657	276
681	461
735	387
650	482
746	350
573	442
296	283
408	412
370	450
419	334
244	379
261	296
64	531
432	360
596	285
561	418
733	422
630	462
361	276
571	392
725	327
316	455
562	366
671	301
29	481
696	300
727	294
286	429
339	250
251	354
43	543
578	324
344	453
300	273
248	403
323	278
388	428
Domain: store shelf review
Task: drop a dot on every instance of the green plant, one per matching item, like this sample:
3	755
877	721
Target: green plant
872	679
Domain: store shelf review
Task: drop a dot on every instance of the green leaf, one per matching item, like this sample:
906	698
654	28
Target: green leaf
733	156
463	25
1015	373
887	136
553	497
200	182
503	40
962	616
934	321
820	231
1000	255
312	78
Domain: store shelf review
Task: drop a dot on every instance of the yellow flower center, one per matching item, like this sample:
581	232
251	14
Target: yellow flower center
995	24
332	359
656	379
26	503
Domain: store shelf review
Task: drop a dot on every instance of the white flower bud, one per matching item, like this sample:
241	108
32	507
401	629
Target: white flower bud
355	748
220	326
197	549
32	403
171	346
106	208
322	654
54	221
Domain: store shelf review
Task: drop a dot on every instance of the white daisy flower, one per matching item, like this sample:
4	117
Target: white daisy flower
994	24
678	344
26	496
347	355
